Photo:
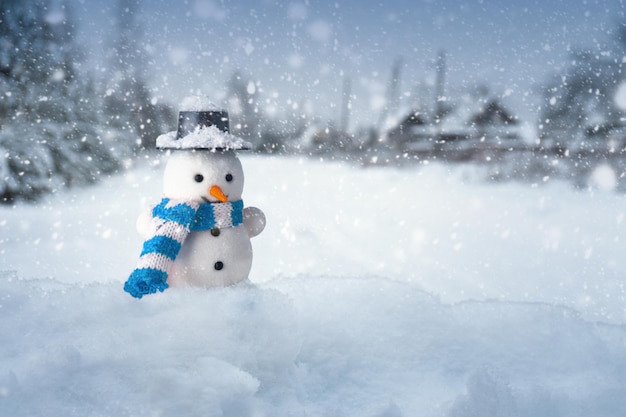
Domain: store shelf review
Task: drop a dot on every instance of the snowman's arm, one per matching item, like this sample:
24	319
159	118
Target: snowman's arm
146	225
253	220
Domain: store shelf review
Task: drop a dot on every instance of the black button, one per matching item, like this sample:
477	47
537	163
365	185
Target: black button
215	231
218	265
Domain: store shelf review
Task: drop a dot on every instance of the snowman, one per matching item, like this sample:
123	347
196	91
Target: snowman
199	234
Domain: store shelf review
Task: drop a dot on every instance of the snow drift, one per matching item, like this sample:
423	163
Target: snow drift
374	293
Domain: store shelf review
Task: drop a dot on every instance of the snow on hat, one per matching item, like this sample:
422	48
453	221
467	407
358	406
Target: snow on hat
201	125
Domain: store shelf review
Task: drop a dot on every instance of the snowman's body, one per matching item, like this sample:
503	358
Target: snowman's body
195	264
219	256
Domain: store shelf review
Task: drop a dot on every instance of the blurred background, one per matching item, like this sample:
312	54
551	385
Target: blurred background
528	90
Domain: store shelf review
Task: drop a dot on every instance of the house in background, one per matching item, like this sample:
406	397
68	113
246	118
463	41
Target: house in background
471	128
494	121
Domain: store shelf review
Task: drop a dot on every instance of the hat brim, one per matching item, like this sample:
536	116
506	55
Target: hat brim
208	138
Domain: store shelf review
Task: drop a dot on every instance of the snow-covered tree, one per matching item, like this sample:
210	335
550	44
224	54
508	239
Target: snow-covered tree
579	111
49	136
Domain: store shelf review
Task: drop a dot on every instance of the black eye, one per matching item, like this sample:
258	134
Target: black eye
219	265
198	178
229	177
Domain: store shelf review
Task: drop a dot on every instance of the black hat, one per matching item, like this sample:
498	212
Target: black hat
194	132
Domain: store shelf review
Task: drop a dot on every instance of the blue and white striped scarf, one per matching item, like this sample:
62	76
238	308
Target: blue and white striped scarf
174	220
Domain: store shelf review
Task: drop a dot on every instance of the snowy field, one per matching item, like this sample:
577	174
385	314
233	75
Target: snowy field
376	292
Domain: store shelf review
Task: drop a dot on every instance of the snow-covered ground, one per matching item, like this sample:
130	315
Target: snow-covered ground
379	292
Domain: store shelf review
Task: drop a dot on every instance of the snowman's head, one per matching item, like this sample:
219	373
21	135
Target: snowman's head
203	176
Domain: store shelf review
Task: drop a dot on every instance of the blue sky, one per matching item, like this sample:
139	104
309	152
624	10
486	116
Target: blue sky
297	52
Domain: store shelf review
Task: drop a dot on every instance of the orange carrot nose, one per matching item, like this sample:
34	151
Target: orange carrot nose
217	192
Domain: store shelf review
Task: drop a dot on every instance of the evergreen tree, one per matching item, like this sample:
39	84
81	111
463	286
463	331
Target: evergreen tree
579	110
49	132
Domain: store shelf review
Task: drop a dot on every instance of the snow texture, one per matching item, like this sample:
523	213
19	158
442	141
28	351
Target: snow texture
376	293
198	103
208	137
